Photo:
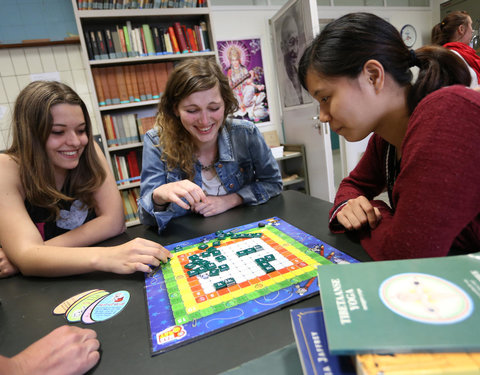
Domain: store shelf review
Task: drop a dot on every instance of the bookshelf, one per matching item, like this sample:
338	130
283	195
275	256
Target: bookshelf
127	78
293	168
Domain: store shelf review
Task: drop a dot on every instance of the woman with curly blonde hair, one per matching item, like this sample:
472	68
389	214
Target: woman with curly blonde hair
58	196
198	159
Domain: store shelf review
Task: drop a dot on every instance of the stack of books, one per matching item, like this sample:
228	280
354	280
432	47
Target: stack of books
126	167
139	4
139	40
130	206
124	84
418	316
124	129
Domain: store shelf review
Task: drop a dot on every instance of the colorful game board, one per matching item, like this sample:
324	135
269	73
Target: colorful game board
228	277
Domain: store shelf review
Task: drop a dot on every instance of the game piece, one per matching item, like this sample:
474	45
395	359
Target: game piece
203	246
63	307
259	269
261	224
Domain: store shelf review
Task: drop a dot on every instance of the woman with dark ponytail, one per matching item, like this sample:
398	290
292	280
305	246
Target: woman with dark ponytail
455	33
425	147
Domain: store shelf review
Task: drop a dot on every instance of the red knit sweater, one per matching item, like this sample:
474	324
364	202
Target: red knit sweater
437	192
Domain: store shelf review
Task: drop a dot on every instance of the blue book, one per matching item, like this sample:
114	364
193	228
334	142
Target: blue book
311	338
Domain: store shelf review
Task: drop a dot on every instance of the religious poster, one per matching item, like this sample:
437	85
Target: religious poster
241	61
290	42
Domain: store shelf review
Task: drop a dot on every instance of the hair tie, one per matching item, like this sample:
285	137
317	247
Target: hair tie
413	59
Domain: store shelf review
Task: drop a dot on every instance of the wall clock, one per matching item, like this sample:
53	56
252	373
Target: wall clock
409	35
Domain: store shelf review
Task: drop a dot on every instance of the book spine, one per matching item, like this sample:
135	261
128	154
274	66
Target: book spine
110	46
150	46
141	44
123	42
112	83
161	76
122	85
88	44
126	127
96	51
199	38
105	86
128	43
185	35
128	82
146	82
120	128
180	37
191	39
133	76
102	47
159	50
173	39
129	216
168	44
108	127
125	211
133	165
141	84
98	87
169	66
206	40
134	42
153	81
116	44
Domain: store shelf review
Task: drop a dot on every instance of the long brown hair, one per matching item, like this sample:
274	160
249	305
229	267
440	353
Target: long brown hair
188	77
32	125
443	32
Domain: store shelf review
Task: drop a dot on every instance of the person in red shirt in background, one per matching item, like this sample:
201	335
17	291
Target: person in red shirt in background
455	33
425	147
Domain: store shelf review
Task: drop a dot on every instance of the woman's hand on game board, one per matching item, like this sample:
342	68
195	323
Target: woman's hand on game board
357	213
65	350
6	267
214	205
175	191
136	255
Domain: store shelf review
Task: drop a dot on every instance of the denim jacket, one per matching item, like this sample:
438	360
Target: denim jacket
245	166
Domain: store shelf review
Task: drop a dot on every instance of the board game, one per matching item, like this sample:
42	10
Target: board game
228	277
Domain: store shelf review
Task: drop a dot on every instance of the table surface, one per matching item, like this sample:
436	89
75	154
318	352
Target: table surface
27	302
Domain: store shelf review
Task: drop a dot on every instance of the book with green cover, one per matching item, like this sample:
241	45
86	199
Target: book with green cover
403	306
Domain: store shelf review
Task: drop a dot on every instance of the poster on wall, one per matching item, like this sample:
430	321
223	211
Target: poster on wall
242	63
289	36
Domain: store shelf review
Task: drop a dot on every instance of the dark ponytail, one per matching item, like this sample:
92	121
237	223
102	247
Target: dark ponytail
439	67
346	44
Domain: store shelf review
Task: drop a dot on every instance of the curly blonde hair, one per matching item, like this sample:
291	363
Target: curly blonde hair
188	77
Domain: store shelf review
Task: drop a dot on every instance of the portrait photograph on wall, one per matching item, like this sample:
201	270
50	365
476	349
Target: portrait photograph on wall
242	63
290	42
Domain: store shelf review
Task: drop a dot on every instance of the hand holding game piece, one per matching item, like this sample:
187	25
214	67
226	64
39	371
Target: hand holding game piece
214	205
136	255
65	350
175	191
359	212
6	268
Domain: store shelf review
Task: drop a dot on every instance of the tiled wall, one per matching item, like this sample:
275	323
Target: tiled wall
18	64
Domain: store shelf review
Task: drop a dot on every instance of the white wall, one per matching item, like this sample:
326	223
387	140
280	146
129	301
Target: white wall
18	64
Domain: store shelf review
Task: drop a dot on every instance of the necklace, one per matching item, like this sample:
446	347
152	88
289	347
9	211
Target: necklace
207	167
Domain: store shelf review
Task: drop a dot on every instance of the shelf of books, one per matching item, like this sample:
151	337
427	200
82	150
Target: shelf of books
130	47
